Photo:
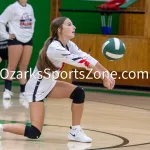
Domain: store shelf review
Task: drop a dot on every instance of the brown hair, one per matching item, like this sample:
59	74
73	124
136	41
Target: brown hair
43	61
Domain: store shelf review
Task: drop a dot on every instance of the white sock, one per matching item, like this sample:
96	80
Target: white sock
77	126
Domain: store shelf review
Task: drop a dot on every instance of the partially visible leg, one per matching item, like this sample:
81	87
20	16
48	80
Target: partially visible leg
23	65
14	53
60	92
37	120
67	90
24	62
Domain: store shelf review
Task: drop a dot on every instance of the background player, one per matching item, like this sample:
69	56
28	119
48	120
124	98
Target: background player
20	19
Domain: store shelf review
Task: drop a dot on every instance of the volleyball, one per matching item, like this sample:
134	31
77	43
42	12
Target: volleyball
113	49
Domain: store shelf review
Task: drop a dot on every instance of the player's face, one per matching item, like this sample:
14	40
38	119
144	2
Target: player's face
68	29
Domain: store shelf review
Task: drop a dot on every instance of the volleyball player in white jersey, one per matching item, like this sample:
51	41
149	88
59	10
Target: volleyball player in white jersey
57	51
20	19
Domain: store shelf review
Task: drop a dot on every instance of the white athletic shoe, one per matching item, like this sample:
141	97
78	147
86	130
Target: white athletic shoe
7	98
23	101
77	134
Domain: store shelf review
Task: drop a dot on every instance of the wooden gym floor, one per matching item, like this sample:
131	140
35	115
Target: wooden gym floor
113	121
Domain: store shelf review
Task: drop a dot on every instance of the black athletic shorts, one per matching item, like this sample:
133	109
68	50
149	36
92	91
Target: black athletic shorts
4	49
16	42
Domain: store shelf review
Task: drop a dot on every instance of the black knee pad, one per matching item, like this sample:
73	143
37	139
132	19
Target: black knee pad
32	132
78	95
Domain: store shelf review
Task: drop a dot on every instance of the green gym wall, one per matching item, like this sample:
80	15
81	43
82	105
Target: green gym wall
87	22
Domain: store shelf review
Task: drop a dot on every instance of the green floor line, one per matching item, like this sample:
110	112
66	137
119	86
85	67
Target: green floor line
20	122
14	83
117	92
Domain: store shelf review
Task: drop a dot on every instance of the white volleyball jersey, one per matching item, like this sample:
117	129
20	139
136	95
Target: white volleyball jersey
60	55
37	88
20	21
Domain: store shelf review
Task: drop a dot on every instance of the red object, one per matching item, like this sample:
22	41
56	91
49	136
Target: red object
86	63
63	64
112	5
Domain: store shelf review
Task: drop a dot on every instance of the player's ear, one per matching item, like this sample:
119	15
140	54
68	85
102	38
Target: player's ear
59	30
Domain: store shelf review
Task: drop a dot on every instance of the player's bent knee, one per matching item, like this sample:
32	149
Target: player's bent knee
32	132
78	95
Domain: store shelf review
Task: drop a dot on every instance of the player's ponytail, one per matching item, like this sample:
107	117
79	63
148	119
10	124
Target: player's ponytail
43	61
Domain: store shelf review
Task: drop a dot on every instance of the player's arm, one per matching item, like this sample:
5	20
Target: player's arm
64	56
97	68
33	18
5	17
75	50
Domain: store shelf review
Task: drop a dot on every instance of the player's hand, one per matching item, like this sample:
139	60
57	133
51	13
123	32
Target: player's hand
12	36
109	82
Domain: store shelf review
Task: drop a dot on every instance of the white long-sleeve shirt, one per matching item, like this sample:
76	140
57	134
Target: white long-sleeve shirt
60	55
20	20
